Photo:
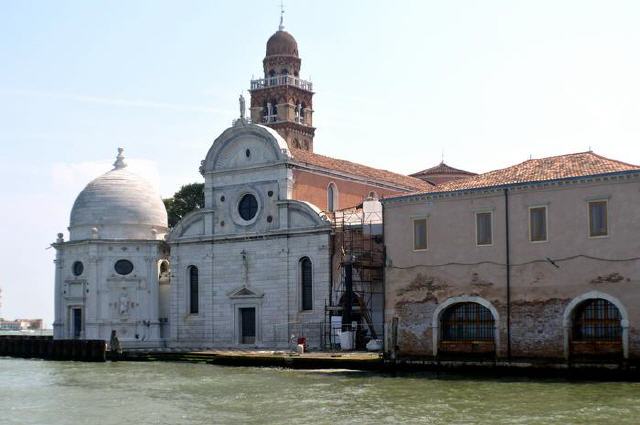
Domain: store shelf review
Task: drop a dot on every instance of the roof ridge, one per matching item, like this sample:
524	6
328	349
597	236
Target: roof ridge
410	181
614	160
442	164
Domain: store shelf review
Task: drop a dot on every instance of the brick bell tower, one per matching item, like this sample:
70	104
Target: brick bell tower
282	100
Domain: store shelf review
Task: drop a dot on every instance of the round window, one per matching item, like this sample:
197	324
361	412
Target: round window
248	207
77	268
123	267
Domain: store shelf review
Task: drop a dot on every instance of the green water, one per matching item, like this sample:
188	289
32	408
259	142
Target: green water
52	393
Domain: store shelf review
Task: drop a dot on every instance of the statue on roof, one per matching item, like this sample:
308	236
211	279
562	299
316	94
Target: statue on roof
243	106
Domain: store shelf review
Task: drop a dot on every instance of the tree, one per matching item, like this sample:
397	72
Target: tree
185	200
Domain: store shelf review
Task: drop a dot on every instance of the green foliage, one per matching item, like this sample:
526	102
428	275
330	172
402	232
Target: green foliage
185	200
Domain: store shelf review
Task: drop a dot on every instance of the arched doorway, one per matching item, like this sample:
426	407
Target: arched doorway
596	330
465	326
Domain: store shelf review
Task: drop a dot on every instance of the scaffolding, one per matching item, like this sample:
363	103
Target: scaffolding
356	304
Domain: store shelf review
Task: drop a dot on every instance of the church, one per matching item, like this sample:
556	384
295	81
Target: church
262	264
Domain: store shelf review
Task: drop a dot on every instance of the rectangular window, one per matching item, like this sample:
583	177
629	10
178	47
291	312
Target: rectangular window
484	233
193	290
306	273
76	322
598	223
538	224
420	234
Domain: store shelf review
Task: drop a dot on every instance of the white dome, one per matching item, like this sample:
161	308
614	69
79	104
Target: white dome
118	205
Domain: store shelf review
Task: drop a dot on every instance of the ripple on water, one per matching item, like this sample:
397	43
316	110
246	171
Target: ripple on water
39	392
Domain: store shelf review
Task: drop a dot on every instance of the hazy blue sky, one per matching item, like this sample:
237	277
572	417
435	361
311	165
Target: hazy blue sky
397	83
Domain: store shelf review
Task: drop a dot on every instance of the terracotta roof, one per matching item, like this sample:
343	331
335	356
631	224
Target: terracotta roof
559	167
442	168
370	173
543	169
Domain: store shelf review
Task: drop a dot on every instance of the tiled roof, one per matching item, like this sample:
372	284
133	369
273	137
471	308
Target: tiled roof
442	168
359	170
580	164
543	169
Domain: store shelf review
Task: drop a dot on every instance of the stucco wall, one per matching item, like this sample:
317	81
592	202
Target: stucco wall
418	281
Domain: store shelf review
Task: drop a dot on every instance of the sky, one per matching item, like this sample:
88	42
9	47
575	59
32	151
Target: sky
399	85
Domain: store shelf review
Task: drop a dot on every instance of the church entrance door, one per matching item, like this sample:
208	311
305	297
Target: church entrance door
248	325
76	322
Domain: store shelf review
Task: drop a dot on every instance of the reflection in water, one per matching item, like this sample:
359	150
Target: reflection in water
43	392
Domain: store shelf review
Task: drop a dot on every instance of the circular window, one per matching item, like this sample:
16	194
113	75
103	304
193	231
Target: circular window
248	207
77	268
123	267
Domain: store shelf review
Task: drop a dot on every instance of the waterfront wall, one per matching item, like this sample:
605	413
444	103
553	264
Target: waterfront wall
548	280
45	347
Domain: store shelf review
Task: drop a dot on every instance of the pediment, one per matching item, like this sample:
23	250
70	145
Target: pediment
245	292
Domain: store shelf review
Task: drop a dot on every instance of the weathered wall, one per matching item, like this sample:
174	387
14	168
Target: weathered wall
417	282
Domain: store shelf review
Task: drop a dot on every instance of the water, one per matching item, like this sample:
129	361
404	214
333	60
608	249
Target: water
53	393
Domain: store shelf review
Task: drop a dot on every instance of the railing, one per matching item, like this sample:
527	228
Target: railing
281	80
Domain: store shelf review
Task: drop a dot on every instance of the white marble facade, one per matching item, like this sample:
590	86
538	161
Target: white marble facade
251	263
107	274
229	274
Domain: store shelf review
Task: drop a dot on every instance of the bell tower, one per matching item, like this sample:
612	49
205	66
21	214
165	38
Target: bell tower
282	100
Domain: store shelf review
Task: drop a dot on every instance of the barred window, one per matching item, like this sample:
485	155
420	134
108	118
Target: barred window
598	223
538	224
597	320
484	233
467	321
306	278
193	290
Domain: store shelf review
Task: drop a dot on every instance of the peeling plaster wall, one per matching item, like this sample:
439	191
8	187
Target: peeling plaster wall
418	281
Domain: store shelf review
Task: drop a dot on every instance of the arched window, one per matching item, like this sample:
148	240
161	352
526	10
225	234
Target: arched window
467	321
285	71
193	290
164	270
332	197
306	280
597	320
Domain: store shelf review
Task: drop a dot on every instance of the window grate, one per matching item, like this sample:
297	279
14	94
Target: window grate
467	322
597	320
